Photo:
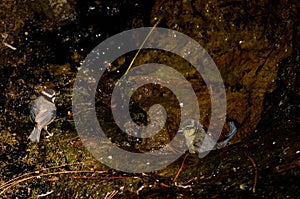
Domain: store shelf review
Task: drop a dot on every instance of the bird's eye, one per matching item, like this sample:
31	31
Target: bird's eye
190	126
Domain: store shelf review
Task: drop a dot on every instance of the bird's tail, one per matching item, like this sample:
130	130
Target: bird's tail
232	132
35	135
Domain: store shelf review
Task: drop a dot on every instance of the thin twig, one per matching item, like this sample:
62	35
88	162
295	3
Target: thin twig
103	178
287	166
255	172
164	185
140	189
13	182
37	172
178	172
5	35
45	194
265	61
142	45
111	195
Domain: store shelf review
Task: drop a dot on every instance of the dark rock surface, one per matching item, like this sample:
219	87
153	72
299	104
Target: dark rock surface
255	46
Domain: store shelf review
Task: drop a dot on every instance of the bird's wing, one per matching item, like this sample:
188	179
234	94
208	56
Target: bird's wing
33	111
43	118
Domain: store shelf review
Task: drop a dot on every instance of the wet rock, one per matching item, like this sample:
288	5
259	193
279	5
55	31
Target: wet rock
246	39
58	11
245	46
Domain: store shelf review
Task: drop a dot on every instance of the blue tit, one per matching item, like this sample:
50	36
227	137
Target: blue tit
194	134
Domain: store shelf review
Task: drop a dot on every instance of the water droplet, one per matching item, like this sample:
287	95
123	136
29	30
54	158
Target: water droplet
91	8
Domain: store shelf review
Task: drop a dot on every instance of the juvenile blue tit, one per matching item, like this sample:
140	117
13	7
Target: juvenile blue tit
194	134
42	113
